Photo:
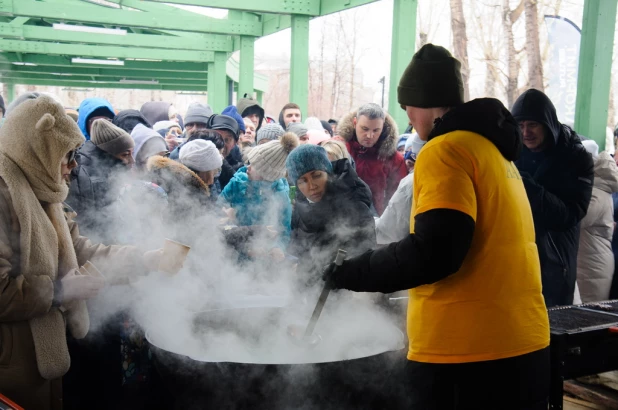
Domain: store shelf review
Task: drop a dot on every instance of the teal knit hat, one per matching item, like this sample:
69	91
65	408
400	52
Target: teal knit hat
307	158
431	80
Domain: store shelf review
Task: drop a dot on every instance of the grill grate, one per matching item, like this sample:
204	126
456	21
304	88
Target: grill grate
570	319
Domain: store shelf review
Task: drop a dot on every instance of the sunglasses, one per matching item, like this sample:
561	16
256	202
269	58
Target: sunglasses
71	156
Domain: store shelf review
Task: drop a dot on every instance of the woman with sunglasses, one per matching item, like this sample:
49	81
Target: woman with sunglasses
42	288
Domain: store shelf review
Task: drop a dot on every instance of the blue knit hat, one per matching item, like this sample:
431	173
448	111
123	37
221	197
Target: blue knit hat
231	111
307	158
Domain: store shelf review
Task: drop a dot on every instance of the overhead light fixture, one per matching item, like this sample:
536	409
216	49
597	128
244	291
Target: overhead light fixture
125	81
20	63
96	61
88	29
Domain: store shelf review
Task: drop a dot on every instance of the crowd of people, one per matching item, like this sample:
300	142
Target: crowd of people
487	215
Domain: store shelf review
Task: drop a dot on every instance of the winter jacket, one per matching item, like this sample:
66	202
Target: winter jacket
559	184
22	299
87	108
595	259
155	111
94	187
380	166
394	224
234	158
260	203
341	220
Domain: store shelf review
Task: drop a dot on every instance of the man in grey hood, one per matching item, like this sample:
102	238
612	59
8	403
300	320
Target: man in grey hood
249	108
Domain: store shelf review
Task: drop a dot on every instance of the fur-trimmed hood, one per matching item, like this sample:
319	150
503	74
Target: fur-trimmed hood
176	179
387	143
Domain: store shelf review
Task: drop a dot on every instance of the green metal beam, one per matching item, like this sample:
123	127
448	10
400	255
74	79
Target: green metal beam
274	23
217	83
63	61
109	72
211	42
70	78
90	84
18	21
307	7
403	46
299	64
247	64
334	6
125	18
82	50
595	64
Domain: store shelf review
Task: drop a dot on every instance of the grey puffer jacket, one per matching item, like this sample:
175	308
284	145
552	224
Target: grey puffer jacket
595	259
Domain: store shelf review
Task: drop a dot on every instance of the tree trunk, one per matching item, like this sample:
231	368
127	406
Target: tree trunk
533	49
509	17
491	78
460	43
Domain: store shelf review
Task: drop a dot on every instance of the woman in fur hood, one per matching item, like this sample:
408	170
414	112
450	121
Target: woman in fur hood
42	293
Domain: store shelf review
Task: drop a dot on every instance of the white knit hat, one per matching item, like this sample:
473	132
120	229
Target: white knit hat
592	147
269	159
200	155
415	143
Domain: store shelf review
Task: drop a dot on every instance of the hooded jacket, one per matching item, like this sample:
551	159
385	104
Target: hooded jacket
380	166
39	244
341	220
595	259
260	203
128	119
559	184
155	111
244	104
88	107
94	187
144	147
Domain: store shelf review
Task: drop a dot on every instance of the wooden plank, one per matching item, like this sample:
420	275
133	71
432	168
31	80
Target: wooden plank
594	394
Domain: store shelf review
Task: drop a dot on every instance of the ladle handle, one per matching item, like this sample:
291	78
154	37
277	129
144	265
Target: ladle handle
341	254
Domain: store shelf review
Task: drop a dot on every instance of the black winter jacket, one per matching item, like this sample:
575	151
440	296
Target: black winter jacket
559	185
341	220
94	186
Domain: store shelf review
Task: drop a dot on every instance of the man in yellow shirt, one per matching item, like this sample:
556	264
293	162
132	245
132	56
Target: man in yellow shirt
477	324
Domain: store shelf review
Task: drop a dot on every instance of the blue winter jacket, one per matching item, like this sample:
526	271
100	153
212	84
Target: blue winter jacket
86	108
260	203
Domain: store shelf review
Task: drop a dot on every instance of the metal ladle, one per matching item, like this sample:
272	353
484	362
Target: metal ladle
309	338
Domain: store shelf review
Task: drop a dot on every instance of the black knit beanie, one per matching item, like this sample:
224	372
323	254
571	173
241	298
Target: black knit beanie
431	80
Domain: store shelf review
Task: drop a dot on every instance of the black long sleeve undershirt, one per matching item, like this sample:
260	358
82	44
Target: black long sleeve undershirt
436	250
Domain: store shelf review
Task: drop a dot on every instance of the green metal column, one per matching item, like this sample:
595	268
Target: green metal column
9	89
260	97
217	83
403	46
245	80
299	64
595	64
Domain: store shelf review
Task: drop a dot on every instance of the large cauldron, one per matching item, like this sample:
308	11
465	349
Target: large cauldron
366	379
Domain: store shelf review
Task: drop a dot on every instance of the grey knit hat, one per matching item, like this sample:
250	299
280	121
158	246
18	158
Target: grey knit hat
269	159
198	113
109	138
298	128
269	132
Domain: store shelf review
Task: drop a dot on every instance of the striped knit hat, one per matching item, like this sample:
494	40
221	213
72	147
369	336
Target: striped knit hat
269	159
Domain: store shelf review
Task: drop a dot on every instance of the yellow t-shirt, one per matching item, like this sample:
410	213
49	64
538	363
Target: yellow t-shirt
492	308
